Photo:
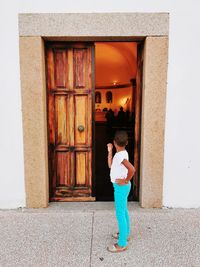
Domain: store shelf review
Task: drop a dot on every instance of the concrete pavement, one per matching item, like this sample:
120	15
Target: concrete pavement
77	234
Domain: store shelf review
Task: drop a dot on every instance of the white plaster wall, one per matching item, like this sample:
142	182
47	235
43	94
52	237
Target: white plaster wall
182	143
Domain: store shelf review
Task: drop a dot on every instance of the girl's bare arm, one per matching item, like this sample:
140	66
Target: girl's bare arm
131	169
131	172
110	147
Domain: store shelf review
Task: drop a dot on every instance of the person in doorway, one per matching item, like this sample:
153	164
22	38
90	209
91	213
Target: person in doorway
110	117
121	172
121	117
127	117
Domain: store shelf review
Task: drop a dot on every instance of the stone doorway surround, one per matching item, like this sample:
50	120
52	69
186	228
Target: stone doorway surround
152	29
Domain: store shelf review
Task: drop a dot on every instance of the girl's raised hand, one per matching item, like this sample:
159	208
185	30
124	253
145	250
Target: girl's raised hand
110	147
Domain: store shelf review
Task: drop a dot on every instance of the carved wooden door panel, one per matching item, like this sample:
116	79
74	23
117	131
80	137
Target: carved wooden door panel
70	91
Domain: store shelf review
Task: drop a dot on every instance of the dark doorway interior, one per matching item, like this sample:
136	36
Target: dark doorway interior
104	135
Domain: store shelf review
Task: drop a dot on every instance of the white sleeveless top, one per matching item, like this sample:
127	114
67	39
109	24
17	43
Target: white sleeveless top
118	170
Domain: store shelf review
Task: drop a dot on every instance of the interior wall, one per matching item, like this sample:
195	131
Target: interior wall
121	98
115	64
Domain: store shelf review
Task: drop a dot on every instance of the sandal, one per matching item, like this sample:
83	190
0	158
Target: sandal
113	248
116	236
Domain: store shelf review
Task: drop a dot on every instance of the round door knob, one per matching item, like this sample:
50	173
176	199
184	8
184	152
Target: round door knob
81	128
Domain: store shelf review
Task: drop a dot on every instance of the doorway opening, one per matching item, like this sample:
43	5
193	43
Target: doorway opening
116	70
93	89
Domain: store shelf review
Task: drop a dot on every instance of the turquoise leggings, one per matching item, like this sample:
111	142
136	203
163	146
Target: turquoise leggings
121	193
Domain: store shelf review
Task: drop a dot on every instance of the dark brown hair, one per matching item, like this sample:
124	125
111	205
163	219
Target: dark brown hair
121	138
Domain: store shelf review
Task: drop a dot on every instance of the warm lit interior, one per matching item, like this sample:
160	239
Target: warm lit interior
115	76
115	61
115	65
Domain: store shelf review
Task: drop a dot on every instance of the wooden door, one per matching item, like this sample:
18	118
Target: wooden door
137	107
70	94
